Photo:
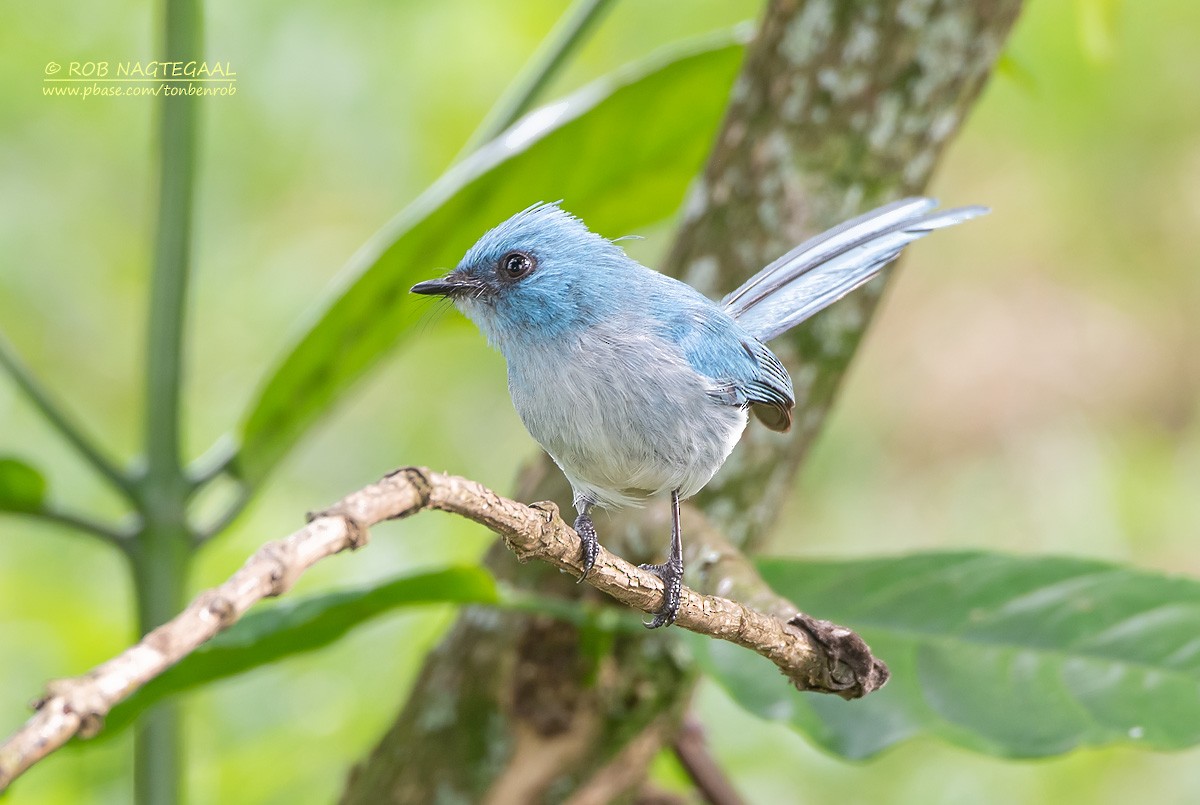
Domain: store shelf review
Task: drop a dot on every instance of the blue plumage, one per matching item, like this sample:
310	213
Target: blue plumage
634	382
744	371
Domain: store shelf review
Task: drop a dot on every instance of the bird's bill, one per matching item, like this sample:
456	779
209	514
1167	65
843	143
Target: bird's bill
453	284
438	287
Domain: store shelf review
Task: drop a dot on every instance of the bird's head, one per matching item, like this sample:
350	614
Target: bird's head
539	274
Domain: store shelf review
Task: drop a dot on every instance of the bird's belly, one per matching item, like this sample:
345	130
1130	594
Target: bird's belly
625	422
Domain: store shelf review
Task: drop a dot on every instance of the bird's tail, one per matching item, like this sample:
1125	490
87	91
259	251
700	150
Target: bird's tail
825	268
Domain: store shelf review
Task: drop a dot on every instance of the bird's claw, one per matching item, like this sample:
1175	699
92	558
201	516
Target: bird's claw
672	578
588	544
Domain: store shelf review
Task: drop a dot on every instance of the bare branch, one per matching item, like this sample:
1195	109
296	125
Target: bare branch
691	749
809	658
627	768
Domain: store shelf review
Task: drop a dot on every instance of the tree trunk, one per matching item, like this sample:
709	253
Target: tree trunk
840	106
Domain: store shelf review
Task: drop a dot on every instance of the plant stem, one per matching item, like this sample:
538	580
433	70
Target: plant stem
161	557
568	33
226	518
160	565
58	418
172	249
214	463
114	535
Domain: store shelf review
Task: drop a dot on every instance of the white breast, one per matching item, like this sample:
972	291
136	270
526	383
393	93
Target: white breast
625	417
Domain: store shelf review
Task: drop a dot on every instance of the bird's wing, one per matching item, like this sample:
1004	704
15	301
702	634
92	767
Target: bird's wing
825	268
770	390
743	371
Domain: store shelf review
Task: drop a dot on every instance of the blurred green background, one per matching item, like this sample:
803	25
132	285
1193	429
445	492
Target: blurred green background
1031	384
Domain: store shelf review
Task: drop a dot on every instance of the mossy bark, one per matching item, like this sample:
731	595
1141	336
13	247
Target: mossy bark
841	105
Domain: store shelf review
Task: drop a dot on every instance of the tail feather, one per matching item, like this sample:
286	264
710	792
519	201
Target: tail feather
825	268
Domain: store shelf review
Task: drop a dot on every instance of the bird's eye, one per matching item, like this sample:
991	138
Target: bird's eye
515	265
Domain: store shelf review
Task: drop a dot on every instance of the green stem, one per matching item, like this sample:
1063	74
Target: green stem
113	535
226	518
163	551
172	248
568	33
55	415
214	463
160	566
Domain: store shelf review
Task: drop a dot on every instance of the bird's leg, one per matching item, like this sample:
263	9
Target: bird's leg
589	545
670	571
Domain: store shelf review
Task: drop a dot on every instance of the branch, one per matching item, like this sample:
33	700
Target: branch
810	660
114	535
214	463
692	752
626	769
55	415
226	518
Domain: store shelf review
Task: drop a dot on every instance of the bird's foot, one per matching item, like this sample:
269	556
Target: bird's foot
589	545
671	573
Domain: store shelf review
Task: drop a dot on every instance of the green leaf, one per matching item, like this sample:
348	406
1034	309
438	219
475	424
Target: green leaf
22	488
298	627
1012	656
620	153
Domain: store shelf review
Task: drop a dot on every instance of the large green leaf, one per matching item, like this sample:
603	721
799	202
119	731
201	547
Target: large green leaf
1013	656
22	488
297	627
619	153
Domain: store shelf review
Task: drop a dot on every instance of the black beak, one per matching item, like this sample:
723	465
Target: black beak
446	286
456	283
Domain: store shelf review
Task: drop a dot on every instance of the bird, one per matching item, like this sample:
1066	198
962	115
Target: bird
635	383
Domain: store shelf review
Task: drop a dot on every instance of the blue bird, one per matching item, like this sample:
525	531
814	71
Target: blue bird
635	383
